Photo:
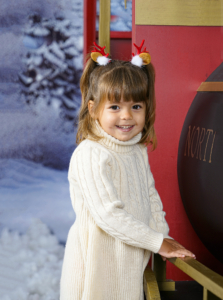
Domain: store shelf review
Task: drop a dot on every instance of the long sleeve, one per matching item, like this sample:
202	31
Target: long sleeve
90	167
158	221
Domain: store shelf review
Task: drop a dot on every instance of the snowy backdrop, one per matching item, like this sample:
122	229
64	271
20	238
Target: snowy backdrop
41	45
121	18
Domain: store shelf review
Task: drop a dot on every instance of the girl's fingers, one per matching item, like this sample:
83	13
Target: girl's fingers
182	250
171	248
188	253
183	253
175	243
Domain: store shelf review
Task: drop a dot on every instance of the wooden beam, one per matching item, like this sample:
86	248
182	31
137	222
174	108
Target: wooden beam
210	87
210	280
150	285
179	12
104	24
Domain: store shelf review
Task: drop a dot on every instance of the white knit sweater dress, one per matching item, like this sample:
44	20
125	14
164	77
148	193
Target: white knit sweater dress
119	221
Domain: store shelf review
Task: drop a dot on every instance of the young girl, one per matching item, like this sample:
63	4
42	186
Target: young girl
119	216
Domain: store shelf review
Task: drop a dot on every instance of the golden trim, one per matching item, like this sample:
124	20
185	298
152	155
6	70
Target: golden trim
179	12
210	280
210	87
104	24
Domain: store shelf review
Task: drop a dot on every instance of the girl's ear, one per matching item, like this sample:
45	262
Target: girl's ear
90	108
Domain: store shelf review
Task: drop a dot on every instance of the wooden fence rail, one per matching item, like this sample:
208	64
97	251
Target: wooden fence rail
156	280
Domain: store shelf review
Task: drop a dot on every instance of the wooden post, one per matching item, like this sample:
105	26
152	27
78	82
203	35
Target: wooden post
159	268
205	294
104	24
89	25
150	285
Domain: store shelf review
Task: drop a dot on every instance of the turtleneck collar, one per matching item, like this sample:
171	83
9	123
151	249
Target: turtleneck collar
114	144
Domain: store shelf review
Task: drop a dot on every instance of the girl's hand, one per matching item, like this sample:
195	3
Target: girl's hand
171	248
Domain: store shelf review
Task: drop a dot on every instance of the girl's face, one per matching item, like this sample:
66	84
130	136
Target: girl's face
122	120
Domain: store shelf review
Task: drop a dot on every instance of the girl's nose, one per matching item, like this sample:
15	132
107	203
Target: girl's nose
126	114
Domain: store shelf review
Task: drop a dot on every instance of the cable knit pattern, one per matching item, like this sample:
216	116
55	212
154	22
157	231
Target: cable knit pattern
119	220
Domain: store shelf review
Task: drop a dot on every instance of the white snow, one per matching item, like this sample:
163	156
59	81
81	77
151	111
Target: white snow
30	264
31	260
51	57
56	50
29	190
38	31
78	62
32	43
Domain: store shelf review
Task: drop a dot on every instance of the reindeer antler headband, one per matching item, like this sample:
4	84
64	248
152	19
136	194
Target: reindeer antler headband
99	56
141	58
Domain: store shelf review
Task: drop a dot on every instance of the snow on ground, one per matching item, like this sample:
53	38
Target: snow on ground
35	205
30	264
29	190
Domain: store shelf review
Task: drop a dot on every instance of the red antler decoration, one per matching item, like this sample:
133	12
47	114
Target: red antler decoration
100	50
139	48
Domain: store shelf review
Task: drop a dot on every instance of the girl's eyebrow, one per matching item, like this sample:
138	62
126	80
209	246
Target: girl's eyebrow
125	101
120	103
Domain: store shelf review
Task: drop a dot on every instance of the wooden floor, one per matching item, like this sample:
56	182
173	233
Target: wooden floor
185	290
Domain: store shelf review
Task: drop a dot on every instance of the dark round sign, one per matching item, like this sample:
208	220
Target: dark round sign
200	166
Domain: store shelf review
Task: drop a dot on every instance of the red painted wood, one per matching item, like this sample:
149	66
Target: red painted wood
183	58
89	25
119	35
121	49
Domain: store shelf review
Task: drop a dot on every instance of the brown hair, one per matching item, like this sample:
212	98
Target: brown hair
115	81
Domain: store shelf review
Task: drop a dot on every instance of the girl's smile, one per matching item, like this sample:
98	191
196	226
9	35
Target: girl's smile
125	128
122	120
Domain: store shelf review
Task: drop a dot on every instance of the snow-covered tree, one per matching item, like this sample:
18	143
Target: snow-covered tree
54	65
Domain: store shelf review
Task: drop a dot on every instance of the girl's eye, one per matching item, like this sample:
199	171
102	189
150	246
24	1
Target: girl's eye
137	106
114	107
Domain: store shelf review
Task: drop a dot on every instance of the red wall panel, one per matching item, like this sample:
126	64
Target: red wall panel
183	58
